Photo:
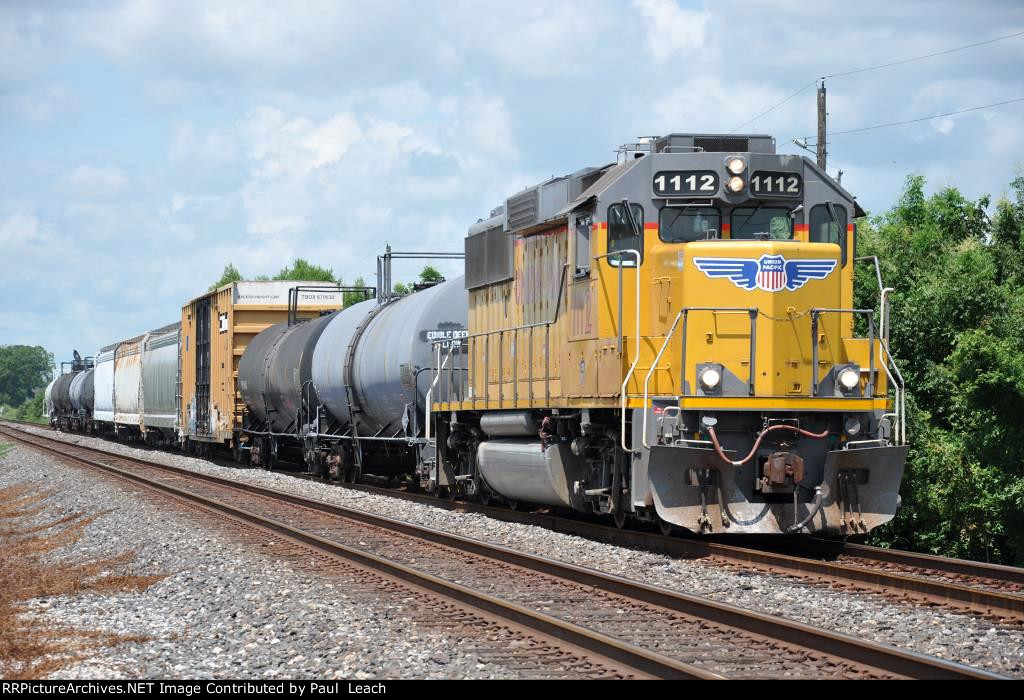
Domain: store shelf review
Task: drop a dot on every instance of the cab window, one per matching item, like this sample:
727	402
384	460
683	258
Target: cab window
774	221
622	235
822	227
686	224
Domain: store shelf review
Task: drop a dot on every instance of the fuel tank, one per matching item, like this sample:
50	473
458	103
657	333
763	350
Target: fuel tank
274	372
528	470
389	364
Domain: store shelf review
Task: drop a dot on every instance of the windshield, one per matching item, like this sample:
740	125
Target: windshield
685	224
775	221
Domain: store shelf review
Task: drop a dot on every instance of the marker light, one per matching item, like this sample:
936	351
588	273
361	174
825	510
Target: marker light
736	166
849	378
735	184
710	377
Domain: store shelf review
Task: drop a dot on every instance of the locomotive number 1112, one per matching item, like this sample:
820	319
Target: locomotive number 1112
776	184
675	183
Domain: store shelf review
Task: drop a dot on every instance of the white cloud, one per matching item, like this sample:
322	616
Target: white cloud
209	146
232	36
533	38
706	103
22	230
301	168
672	30
96	182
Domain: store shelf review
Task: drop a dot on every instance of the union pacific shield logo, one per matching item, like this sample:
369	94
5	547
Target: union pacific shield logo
769	273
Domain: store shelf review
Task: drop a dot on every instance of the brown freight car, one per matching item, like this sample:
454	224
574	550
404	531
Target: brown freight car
215	330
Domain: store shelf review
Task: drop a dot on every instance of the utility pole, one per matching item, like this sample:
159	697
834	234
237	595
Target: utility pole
822	150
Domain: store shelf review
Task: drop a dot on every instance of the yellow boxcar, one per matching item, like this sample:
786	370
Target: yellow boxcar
215	330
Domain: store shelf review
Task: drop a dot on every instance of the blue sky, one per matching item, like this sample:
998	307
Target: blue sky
147	144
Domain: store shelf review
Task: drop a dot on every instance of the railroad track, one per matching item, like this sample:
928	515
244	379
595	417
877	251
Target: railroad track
990	590
640	630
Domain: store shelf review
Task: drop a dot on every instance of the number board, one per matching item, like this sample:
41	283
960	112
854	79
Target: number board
681	183
770	184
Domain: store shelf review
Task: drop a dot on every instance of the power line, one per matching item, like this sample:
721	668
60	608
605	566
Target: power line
771	109
912	121
878	67
921	58
921	119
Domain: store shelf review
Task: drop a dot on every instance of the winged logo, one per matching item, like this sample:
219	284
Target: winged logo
769	273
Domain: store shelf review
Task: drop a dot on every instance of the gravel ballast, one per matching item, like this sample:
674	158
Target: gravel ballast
228	610
953	636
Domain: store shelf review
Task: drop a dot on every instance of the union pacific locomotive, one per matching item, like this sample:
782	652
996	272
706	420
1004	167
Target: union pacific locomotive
669	338
672	338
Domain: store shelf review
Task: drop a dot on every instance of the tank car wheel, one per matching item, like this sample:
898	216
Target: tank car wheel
513	505
315	465
665	526
486	497
271	454
620	517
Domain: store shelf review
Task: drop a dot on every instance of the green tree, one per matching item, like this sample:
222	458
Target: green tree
400	288
303	270
230	274
32	410
431	274
355	297
957	331
24	370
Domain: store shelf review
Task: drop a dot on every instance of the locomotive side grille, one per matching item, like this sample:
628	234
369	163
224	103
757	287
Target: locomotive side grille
488	258
523	209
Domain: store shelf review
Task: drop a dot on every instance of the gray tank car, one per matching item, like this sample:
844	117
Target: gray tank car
349	389
82	394
70	395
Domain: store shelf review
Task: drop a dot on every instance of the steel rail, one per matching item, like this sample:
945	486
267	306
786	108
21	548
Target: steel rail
807	557
637	659
862	652
960	567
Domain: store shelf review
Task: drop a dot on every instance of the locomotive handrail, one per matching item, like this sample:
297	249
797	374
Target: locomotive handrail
500	332
901	390
650	372
632	368
430	391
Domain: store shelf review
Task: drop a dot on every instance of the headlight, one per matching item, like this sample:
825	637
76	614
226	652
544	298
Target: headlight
710	377
849	378
736	166
735	184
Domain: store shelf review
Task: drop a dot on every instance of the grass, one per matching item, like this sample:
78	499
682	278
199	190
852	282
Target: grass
5	447
37	561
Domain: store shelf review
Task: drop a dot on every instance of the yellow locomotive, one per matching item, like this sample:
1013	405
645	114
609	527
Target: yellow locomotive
671	338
